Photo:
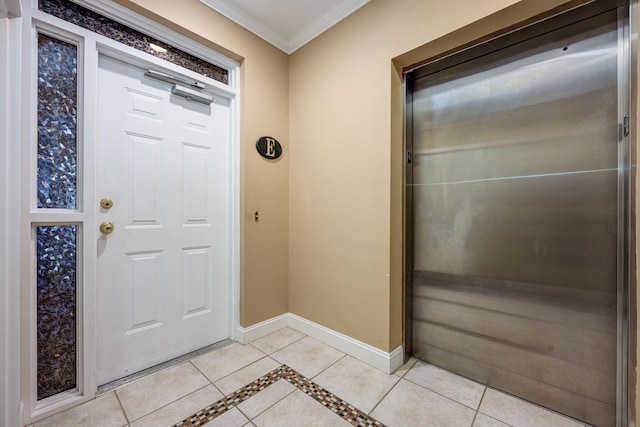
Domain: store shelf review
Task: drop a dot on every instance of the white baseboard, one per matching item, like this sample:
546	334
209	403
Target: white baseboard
259	330
379	359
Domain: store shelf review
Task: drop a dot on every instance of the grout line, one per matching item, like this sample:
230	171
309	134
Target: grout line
126	417
415	361
473	421
288	345
503	422
399	377
174	401
239	369
210	382
202	373
478	409
269	407
386	394
339	359
446	397
536	405
230	373
245	415
482	398
160	367
299	339
217	388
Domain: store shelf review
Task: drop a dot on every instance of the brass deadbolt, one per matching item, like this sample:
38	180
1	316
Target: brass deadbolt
106	203
106	228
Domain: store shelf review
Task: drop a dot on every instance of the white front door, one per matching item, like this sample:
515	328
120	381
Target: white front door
163	273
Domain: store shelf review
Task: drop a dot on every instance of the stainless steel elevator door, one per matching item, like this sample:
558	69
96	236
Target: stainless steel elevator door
515	219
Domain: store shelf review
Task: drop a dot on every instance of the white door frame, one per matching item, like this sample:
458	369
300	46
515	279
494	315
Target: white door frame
18	325
9	219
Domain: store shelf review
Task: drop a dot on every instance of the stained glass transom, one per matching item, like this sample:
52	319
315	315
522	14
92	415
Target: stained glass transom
85	18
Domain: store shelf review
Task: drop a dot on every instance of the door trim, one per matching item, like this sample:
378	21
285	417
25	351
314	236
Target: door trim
10	43
90	45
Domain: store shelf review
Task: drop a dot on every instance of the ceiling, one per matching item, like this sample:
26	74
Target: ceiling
286	24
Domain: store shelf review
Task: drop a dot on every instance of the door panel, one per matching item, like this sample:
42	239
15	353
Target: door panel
163	274
515	219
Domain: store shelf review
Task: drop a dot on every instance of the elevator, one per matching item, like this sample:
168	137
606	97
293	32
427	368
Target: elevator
518	212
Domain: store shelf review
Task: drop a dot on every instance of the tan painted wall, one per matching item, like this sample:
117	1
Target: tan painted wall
346	162
345	240
264	111
329	246
346	156
329	243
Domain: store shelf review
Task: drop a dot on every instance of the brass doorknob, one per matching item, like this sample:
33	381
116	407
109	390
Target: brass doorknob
106	228
106	203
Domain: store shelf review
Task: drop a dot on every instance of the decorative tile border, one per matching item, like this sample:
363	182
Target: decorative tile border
85	18
341	408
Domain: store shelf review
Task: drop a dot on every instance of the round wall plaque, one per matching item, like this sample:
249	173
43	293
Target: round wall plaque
268	147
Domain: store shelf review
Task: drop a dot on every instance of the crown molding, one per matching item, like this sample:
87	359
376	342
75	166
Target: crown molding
323	22
240	17
283	42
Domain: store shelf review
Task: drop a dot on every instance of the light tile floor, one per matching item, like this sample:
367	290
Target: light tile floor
418	394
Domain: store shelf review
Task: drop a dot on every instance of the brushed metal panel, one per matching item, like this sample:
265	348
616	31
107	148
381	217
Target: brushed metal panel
515	199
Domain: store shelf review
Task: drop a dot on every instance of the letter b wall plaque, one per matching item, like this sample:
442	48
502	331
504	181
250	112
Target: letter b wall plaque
268	147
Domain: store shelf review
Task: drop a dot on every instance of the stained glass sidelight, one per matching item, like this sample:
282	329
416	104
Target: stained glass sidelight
56	325
57	116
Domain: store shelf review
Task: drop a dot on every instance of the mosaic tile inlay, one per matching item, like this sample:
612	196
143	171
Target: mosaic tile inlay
56	308
57	117
85	18
332	402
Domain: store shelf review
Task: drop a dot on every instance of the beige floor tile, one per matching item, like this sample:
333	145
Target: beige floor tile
356	382
244	376
483	420
266	398
231	418
405	368
517	412
103	411
277	340
297	410
450	385
308	356
222	362
180	409
157	390
409	405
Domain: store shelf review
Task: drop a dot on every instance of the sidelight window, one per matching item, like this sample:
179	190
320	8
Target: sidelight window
56	244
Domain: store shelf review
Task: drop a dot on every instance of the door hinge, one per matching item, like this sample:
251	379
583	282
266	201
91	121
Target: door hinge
409	157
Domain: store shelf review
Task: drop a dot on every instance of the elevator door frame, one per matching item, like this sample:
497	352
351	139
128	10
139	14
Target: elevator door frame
627	101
